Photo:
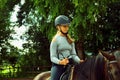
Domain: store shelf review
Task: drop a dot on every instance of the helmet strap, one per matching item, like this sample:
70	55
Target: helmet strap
63	33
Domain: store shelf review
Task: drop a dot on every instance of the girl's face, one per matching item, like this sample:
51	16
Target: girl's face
63	28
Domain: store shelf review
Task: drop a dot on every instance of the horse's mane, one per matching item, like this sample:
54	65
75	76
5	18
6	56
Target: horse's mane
92	69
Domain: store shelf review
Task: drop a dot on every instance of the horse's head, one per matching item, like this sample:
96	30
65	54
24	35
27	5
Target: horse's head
113	63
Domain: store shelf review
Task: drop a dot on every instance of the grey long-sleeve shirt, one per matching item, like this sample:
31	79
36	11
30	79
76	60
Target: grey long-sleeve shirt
60	49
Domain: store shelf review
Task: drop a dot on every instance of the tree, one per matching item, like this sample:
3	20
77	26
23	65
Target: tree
6	6
109	29
85	15
90	21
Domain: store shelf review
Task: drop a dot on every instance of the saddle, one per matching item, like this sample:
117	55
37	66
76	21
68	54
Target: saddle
67	75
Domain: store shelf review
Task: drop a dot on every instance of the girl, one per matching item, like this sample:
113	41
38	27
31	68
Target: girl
62	48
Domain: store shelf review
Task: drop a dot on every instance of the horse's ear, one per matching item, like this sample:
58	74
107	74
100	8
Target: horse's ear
107	55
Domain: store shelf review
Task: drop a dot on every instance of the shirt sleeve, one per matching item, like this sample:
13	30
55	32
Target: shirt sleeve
53	52
74	54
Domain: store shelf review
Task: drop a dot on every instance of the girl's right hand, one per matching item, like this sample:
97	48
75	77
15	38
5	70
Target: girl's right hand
81	61
64	61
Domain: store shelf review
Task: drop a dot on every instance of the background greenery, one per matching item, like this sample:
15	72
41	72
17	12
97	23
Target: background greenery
94	24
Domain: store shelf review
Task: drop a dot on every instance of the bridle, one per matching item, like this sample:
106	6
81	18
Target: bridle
109	70
113	61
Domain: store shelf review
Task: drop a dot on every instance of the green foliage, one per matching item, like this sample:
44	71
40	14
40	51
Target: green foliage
86	17
2	3
86	23
5	7
110	28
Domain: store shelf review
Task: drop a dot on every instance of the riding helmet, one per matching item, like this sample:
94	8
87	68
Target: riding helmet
62	19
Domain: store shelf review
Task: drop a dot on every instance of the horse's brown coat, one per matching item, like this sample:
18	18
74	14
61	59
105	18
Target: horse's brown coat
95	68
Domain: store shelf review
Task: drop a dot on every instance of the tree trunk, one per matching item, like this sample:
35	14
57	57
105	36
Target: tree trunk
80	49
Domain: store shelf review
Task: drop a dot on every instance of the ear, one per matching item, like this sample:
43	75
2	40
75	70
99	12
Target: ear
107	55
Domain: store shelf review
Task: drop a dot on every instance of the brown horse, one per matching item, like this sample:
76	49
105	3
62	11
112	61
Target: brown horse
85	71
104	66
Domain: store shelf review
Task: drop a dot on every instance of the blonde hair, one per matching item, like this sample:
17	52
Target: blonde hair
69	39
